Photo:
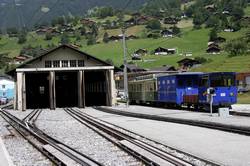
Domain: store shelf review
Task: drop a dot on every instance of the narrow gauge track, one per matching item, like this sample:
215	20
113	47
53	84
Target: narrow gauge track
247	114
118	137
38	139
211	125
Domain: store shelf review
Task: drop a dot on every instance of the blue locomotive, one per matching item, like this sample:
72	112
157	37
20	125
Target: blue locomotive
185	89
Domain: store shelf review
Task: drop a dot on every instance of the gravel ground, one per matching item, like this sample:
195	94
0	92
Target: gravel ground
20	114
20	151
66	129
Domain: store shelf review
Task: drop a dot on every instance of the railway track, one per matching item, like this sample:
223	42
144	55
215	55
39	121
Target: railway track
211	125
48	146
142	150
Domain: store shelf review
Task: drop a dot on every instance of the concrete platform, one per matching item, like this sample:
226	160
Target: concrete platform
238	121
218	146
5	159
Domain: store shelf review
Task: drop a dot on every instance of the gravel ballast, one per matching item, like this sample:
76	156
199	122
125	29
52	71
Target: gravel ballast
20	151
66	129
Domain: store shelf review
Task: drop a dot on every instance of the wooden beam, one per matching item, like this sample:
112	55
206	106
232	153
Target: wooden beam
108	88
24	92
64	69
52	90
19	91
83	89
80	87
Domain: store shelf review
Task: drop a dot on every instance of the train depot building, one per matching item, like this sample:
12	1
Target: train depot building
63	77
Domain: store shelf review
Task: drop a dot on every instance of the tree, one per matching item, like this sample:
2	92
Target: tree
21	38
236	47
106	37
94	29
91	40
213	35
198	20
48	36
176	30
65	39
154	25
212	21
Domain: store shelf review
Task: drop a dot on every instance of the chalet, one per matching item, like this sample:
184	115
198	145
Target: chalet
41	31
228	29
243	81
138	54
86	21
210	8
213	49
115	38
131	37
163	68
164	51
130	22
167	33
187	63
131	68
171	20
245	21
136	57
141	51
20	59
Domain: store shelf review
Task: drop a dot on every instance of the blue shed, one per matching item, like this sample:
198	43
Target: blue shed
7	88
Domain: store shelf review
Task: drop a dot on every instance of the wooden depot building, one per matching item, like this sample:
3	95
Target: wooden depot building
63	77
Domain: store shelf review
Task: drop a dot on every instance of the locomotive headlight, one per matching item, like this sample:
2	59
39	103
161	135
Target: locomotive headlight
231	94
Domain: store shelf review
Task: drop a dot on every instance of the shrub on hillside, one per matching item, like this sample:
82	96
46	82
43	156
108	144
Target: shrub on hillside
154	24
236	47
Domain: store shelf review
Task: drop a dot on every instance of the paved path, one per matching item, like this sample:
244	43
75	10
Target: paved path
222	147
4	155
181	114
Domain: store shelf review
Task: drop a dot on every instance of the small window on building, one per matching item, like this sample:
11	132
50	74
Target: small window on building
80	63
168	81
4	94
3	86
65	63
56	63
48	64
72	63
41	90
173	81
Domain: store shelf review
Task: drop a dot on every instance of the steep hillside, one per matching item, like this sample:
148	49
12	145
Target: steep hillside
20	13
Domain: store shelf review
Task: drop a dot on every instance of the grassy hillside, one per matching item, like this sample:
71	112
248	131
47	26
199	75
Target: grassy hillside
194	41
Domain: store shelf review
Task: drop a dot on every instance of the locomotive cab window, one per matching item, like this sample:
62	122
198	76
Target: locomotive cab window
222	80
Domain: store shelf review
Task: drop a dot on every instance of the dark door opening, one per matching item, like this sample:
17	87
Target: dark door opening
95	88
66	89
37	90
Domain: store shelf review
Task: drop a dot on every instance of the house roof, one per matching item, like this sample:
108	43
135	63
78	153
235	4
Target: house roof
53	50
133	68
160	49
164	68
188	60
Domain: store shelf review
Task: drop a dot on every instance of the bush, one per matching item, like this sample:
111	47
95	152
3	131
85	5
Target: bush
21	38
236	47
48	36
154	25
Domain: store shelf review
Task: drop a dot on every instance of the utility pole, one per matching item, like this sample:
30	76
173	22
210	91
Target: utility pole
125	75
